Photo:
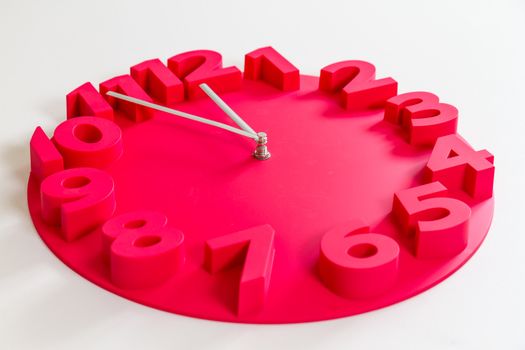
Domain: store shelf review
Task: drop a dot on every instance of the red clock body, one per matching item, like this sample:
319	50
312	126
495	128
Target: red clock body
369	197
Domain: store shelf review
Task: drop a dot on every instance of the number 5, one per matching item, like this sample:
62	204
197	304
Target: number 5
440	223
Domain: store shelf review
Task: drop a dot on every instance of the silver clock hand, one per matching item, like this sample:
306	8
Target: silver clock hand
252	135
225	108
261	151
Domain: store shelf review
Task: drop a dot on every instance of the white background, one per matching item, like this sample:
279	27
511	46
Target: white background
470	53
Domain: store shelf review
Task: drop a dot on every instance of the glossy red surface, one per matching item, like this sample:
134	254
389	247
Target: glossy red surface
328	166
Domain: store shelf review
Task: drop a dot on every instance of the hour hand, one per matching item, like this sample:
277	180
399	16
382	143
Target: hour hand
261	152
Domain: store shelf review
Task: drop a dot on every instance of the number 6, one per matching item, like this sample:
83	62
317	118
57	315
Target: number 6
356	264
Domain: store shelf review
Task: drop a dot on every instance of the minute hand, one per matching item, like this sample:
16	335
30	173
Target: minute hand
250	134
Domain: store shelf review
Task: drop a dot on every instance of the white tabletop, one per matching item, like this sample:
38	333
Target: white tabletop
470	53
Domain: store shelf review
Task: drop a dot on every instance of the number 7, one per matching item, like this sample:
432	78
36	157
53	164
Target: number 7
254	248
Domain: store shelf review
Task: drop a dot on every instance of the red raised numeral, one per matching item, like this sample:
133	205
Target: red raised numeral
143	251
269	65
124	84
255	248
78	200
455	164
145	222
440	223
158	81
422	116
356	83
204	66
85	100
356	264
88	142
45	158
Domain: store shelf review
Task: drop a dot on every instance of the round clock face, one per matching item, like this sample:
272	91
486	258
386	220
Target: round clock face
349	214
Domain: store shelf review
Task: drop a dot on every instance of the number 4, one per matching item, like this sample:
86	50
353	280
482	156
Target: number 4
456	165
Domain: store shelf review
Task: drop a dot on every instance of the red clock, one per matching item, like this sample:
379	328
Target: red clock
324	197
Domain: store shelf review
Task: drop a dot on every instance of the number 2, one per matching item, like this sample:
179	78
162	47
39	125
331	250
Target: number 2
204	66
355	82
